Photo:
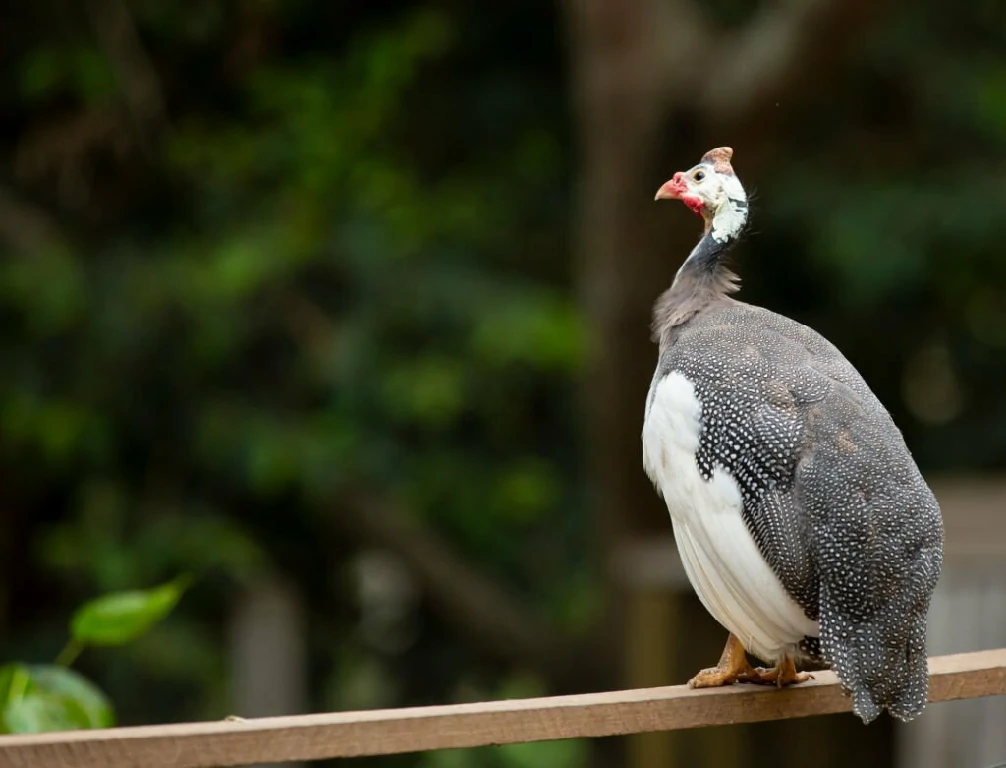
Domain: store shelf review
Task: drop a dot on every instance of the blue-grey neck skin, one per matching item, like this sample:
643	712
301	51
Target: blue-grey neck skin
705	256
724	229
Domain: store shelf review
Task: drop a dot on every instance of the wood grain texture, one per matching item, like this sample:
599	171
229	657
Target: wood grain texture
380	732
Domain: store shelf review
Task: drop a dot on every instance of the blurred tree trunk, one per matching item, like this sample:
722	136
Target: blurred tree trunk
623	259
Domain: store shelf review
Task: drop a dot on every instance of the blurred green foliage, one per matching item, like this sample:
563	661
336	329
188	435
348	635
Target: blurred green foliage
52	697
338	265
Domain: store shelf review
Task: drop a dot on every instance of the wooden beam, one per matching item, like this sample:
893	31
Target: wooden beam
391	731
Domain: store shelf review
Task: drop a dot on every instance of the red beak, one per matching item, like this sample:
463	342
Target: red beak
673	189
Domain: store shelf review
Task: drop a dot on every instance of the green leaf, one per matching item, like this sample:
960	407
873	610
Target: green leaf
14	680
38	711
121	617
91	704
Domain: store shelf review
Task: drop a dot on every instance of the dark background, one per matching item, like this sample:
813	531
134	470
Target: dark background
345	306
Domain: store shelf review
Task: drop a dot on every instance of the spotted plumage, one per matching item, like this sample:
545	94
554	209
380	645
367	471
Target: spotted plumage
793	451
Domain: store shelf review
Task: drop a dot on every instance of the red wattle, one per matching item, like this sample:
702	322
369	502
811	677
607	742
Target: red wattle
694	202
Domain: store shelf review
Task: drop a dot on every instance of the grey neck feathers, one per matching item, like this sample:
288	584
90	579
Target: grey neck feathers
703	278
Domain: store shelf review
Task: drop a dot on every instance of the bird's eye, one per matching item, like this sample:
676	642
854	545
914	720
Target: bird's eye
698	175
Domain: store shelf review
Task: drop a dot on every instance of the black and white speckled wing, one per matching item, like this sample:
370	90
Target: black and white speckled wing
830	492
878	539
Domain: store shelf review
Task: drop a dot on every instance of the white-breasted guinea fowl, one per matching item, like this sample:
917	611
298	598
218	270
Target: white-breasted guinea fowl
802	521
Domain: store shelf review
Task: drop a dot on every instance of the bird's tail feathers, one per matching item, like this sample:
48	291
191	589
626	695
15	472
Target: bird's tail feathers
882	662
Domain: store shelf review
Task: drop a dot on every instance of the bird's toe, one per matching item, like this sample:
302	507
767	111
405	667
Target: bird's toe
713	677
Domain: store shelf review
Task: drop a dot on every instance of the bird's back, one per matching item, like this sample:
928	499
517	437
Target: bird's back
831	493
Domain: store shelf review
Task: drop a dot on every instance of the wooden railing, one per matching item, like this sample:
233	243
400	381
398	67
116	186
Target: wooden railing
389	731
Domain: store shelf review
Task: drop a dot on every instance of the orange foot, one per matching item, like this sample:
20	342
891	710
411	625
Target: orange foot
783	673
733	667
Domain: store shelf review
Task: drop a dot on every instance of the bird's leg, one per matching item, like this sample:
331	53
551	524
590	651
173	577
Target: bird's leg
733	667
783	673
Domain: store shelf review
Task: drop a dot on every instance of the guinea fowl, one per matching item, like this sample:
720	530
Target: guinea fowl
802	521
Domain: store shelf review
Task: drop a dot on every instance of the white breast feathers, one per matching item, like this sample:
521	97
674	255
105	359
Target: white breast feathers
732	579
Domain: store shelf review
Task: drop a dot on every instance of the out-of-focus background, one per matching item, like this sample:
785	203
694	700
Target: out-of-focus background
343	308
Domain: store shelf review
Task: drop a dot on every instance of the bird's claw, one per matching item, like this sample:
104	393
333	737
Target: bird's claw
779	676
713	677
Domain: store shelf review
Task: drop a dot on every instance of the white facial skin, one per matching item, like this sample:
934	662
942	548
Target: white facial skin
719	198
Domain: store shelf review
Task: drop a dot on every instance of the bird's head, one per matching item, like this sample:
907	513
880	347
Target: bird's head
712	190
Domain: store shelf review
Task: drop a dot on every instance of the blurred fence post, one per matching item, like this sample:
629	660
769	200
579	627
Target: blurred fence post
268	655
